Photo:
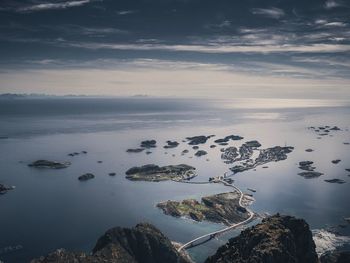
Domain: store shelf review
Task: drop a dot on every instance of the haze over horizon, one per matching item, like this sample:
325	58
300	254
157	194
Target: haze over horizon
186	48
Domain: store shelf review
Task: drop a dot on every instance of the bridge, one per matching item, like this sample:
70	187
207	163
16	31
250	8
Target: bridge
211	235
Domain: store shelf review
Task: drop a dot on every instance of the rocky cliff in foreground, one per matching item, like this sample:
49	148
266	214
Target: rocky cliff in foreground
141	244
277	239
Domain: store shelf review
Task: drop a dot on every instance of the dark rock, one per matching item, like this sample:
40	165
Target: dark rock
253	144
5	188
309	150
274	154
335	128
155	173
49	164
195	147
212	146
184	152
228	138
335	257
200	153
336	161
86	177
252	190
278	239
335	181
84	152
195	140
230	154
148	152
171	144
112	174
310	174
305	163
141	244
148	144
99	161
306	166
137	150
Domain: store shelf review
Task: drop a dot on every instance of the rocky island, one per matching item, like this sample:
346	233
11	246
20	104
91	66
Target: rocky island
201	139
200	153
86	177
228	138
155	173
245	153
171	144
49	164
136	150
149	144
4	189
219	208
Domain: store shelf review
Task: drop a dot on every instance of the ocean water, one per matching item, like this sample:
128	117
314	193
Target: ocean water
51	209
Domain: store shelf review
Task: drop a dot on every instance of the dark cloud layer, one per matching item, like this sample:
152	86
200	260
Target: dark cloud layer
309	34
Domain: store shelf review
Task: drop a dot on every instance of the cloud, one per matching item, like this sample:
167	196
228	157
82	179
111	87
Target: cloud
263	49
329	4
52	6
323	22
126	12
272	12
336	24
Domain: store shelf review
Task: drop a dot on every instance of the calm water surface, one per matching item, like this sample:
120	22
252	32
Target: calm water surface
50	209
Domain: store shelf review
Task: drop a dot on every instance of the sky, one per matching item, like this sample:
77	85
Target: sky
183	48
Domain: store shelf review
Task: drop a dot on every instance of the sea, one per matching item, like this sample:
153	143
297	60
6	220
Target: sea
51	209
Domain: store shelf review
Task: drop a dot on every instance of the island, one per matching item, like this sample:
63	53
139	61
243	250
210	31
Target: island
86	177
219	208
171	144
245	154
149	144
201	139
4	189
228	138
155	173
49	164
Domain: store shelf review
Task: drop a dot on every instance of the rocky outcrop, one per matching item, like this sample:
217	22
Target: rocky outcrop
155	173
141	244
200	153
49	164
228	138
201	139
310	174
219	208
171	144
85	177
335	181
149	144
277	239
136	150
5	188
273	154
